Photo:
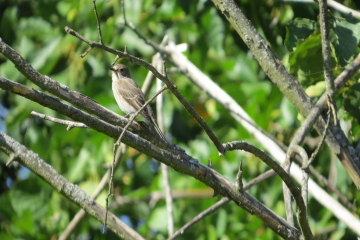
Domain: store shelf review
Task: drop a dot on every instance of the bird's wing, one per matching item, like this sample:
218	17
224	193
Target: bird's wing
130	91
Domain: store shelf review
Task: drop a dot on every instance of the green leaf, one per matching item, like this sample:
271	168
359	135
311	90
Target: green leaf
345	38
297	31
352	101
306	61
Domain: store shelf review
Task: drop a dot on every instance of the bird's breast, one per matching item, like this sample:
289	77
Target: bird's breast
123	104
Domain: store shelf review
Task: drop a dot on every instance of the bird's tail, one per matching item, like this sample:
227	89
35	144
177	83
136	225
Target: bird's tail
158	130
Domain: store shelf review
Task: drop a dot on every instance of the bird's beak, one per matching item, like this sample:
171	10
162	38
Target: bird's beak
112	69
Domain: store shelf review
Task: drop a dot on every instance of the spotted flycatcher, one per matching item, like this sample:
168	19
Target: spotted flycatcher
129	96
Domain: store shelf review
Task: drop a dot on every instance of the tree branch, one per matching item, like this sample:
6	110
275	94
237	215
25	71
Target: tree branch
81	214
288	85
301	208
326	51
178	160
220	203
72	192
160	76
73	97
70	124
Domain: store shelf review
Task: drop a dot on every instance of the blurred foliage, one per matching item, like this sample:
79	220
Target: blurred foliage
30	209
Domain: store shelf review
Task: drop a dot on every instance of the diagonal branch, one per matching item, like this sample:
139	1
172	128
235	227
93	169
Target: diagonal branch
81	214
288	85
178	160
64	92
117	144
70	124
213	90
301	208
72	192
160	76
219	204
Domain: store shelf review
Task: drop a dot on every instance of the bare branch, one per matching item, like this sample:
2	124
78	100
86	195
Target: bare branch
331	3
220	203
81	214
326	51
200	216
314	154
239	182
12	158
118	144
177	159
74	193
288	85
130	25
163	78
270	144
98	22
64	92
70	124
301	208
86	52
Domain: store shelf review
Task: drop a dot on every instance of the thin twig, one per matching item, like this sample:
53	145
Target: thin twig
150	76
118	143
116	58
163	78
12	158
292	150
326	51
314	154
98	22
81	214
305	176
70	124
239	182
220	203
287	197
130	25
86	53
331	3
71	191
301	208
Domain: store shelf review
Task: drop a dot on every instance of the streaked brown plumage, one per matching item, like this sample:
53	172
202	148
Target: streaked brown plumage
129	96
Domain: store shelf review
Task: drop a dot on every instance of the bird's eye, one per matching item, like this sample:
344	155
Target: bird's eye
121	70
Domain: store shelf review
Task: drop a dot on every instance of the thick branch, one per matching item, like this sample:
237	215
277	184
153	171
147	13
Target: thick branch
288	85
81	214
214	91
73	97
220	203
160	76
301	208
75	194
179	161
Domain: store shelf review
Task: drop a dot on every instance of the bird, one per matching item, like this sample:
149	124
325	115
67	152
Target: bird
129	96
